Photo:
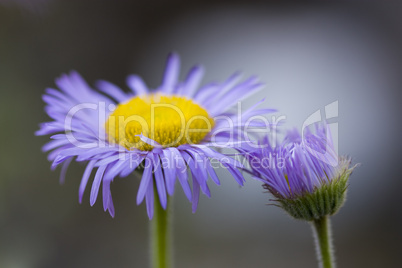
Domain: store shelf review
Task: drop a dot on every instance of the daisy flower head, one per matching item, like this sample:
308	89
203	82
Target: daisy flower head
162	133
303	173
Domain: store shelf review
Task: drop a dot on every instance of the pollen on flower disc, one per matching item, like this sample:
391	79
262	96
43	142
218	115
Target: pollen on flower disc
169	120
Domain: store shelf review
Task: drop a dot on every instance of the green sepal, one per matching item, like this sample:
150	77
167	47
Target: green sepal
325	200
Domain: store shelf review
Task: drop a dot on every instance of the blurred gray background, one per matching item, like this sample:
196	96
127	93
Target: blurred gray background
308	53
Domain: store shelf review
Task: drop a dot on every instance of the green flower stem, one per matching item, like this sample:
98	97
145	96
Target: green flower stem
323	242
161	237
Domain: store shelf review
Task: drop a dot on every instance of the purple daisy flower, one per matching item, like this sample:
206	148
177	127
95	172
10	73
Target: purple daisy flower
305	174
161	132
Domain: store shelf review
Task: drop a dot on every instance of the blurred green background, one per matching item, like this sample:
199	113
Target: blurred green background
309	54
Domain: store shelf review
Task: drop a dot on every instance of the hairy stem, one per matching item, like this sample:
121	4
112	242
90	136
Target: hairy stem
323	242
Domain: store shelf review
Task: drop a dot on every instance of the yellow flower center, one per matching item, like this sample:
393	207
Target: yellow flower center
169	120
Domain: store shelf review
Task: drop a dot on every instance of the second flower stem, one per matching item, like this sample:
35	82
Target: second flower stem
323	242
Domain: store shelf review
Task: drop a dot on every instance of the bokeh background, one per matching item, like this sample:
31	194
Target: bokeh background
308	53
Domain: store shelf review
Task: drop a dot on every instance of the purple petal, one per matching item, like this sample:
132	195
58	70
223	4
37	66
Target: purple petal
197	172
232	97
160	181
146	177
171	73
54	144
181	172
236	174
95	152
132	165
149	199
117	167
149	141
170	171
64	170
196	195
106	193
220	157
112	90
137	85
56	93
84	179
212	173
96	183
107	160
193	80
110	206
58	160
206	92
